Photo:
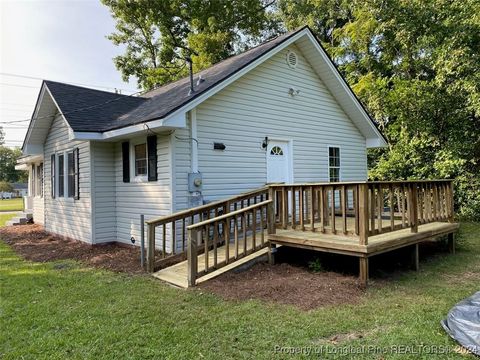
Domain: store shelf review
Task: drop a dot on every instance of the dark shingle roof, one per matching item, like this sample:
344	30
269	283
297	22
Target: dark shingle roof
88	109
103	111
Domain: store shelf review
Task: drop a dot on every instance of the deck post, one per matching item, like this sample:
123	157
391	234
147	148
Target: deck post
451	243
272	249
192	257
271	225
271	212
363	213
142	241
415	257
151	248
450	202
414	208
363	261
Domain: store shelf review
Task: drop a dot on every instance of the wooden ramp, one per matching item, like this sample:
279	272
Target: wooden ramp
178	274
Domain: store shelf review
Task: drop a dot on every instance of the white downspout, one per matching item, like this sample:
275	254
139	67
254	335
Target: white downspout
193	143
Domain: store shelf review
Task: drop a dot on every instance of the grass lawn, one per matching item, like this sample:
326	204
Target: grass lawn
4	218
63	310
11	204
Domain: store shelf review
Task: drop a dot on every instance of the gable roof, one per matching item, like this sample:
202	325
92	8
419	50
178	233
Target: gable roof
89	109
94	111
106	111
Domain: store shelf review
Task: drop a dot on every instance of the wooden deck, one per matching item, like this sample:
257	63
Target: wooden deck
350	246
360	219
178	274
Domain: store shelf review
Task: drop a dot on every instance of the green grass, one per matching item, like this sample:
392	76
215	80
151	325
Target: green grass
63	310
11	204
5	217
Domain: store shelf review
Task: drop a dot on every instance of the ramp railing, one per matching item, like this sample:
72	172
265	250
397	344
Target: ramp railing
167	235
227	238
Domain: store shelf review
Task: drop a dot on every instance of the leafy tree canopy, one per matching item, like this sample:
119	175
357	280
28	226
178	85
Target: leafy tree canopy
159	35
8	159
414	64
5	187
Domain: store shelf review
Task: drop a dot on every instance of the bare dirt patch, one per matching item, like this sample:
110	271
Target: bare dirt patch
33	243
287	284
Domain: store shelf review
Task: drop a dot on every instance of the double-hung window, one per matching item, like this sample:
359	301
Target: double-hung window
67	174
140	152
139	159
39	180
334	163
71	173
61	175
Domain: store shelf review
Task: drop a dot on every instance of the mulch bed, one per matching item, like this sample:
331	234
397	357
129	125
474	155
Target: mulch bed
287	284
283	283
33	243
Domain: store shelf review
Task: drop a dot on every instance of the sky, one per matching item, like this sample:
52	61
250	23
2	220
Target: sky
60	40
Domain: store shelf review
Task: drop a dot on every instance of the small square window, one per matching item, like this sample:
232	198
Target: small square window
141	159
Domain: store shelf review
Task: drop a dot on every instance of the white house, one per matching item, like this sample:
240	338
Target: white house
280	112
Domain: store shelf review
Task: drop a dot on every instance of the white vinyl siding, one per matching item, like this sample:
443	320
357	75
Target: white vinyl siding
38	210
66	216
183	166
151	198
103	185
258	105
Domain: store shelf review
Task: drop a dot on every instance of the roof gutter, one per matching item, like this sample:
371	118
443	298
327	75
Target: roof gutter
170	123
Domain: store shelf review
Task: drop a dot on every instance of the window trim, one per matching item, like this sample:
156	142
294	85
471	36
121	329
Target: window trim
60	175
64	172
53	175
133	143
339	167
39	179
33	180
71	192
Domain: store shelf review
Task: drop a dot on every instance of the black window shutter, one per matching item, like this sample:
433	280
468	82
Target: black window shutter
126	161
76	155
52	175
152	157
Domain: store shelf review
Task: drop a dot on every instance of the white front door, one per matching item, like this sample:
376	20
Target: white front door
277	162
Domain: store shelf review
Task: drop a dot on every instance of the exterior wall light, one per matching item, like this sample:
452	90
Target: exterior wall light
293	92
219	146
265	142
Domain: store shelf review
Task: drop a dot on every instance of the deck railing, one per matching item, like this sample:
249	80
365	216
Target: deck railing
171	237
362	209
227	238
353	209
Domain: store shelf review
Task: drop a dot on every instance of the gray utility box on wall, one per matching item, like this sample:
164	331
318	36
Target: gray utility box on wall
195	182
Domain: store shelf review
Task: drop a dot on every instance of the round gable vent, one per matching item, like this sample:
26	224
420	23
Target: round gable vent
292	59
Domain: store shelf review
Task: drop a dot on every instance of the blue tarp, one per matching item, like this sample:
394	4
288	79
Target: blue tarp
463	323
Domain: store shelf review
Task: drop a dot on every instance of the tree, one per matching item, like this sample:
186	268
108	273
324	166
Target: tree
8	159
159	35
414	64
5	187
2	136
